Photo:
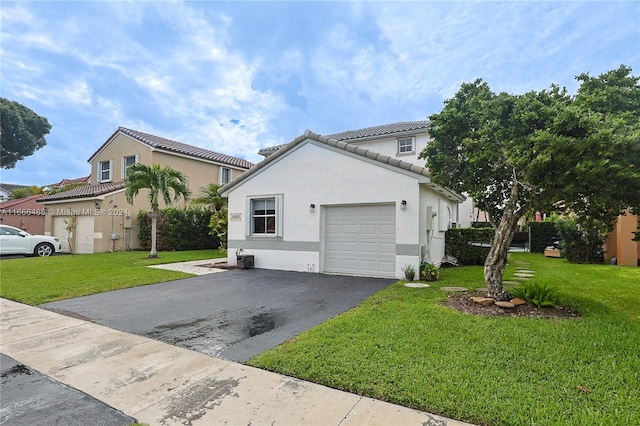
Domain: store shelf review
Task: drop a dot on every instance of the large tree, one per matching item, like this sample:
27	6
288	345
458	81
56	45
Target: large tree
159	183
22	132
513	153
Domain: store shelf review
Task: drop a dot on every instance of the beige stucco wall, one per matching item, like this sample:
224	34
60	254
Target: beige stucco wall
114	215
619	244
33	224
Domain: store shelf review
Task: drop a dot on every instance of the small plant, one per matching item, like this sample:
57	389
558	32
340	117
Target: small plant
428	272
409	272
540	294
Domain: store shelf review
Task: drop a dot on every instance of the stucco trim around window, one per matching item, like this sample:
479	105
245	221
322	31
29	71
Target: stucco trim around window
264	216
105	171
225	175
126	162
405	146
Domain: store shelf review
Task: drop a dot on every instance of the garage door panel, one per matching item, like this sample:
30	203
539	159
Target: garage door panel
388	267
84	234
349	229
60	231
365	244
369	248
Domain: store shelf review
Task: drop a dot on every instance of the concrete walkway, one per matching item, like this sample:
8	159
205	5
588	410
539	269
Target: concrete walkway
160	384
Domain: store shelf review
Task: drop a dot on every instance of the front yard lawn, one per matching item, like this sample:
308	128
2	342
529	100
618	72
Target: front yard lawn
402	345
36	280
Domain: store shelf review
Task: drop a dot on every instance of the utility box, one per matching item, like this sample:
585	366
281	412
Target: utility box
245	261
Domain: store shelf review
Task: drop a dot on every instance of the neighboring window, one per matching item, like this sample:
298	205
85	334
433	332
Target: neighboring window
225	175
126	162
104	170
405	146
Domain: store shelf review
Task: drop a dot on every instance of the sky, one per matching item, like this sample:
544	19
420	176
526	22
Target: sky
235	77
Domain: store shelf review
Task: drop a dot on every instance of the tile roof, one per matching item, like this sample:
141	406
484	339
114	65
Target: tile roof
21	205
383	130
157	142
366	133
11	186
85	179
375	156
85	191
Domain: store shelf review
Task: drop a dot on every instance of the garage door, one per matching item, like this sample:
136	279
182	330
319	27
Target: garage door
84	234
60	231
360	240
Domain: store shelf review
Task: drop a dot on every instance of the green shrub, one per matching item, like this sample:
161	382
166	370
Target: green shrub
541	233
428	272
540	294
178	229
457	244
579	245
218	225
409	272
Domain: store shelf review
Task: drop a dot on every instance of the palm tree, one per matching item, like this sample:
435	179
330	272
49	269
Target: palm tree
211	198
159	181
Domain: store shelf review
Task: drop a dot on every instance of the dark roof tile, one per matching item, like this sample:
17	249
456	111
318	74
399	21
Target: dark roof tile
368	132
158	142
85	191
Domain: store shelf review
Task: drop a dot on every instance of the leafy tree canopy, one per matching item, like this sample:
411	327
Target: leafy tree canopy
22	132
512	153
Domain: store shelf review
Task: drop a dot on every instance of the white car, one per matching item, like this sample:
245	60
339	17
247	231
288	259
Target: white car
17	241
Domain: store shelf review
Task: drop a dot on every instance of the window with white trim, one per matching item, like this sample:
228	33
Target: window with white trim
265	216
225	175
105	169
126	162
406	146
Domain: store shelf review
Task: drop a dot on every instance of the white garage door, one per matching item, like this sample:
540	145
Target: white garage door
60	231
360	240
84	235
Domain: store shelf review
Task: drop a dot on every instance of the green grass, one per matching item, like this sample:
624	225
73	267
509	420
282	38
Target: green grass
35	280
401	345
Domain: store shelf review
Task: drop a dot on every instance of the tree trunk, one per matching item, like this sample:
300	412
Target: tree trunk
154	251
496	260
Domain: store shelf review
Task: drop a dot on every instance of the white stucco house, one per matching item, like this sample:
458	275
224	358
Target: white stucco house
319	204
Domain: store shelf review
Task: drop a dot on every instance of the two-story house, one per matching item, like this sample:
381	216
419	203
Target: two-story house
97	218
355	203
404	141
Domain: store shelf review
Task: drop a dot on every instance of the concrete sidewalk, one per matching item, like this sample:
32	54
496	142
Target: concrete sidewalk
160	384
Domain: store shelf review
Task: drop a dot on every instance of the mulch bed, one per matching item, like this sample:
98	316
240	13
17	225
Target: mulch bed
463	303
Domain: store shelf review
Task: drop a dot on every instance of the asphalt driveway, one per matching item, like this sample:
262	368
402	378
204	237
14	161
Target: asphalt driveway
233	315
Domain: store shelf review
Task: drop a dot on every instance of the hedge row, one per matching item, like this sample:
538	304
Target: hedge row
178	229
540	235
457	244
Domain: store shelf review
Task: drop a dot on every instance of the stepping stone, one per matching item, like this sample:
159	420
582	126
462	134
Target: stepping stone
457	289
507	305
484	301
416	285
517	301
522	275
524	271
510	282
483	290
